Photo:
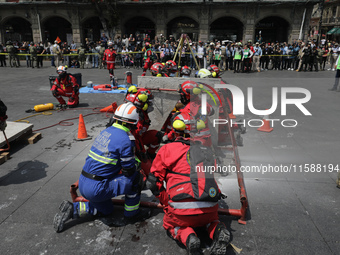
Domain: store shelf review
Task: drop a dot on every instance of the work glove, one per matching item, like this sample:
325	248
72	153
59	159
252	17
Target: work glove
165	139
3	125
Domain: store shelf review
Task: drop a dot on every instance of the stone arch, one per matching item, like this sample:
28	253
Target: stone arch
272	28
226	28
56	26
141	25
183	25
92	28
17	28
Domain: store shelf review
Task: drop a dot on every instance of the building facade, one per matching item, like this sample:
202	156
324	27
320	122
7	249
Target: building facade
75	20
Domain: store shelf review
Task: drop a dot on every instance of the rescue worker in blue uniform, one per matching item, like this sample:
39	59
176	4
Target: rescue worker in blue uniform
110	170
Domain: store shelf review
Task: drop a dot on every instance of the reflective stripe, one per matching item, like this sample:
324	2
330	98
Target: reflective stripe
192	205
154	146
132	207
102	159
82	209
127	159
176	230
116	125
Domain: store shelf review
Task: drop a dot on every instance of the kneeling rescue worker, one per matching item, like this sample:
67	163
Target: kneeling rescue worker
190	197
66	85
110	170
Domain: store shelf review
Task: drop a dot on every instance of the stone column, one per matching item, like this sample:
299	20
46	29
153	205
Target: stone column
204	25
160	25
36	29
77	30
249	25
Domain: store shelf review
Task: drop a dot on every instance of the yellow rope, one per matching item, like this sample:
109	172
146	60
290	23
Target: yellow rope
40	113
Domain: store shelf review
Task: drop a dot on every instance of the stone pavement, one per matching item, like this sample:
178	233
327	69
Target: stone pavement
294	212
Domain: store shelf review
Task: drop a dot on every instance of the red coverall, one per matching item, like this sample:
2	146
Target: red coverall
194	108
110	59
145	137
147	61
67	87
180	216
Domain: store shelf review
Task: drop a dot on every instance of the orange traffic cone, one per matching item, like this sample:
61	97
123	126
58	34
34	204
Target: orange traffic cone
82	134
110	108
266	125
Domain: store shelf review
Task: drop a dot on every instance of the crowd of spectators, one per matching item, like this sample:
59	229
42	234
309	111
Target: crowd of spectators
227	55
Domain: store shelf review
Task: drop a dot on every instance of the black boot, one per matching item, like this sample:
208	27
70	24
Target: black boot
193	244
65	213
221	240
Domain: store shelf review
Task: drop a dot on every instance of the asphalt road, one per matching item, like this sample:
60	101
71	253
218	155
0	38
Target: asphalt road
290	173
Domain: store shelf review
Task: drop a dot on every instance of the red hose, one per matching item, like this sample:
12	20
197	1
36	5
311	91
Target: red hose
8	146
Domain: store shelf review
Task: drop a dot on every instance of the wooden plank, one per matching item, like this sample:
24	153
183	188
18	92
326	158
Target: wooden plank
34	138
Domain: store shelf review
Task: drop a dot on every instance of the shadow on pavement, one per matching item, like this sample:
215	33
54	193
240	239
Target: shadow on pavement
26	171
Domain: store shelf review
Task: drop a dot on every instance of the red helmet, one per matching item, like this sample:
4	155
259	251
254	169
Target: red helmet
183	124
141	98
157	68
185	71
188	89
212	69
171	66
147	45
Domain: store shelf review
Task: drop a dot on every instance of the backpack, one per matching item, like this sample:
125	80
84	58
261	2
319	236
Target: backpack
201	184
56	50
101	51
81	51
11	49
33	50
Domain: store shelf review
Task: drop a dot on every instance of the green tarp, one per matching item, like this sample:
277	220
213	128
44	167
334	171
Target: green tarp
334	31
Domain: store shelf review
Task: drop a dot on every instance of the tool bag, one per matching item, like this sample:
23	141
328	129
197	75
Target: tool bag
200	184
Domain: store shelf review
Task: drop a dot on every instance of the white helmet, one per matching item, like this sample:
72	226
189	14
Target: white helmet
127	113
110	43
204	73
61	69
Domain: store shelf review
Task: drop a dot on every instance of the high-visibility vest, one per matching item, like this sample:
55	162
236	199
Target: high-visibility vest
338	64
238	55
246	53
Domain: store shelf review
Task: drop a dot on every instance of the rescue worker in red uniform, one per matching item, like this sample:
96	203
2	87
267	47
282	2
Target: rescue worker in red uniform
171	68
143	100
158	69
148	61
66	85
189	91
215	71
110	58
190	197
